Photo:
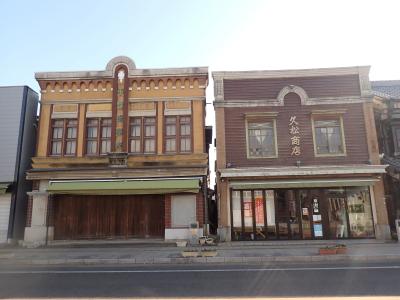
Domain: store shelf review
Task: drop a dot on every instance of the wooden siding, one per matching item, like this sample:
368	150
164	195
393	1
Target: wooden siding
269	88
77	217
354	131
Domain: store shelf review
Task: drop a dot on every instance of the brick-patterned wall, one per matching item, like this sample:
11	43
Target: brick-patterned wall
200	208
29	212
167	211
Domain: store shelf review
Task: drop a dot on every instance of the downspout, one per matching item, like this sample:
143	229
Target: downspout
205	194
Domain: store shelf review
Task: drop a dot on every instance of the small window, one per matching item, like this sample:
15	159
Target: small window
57	137
70	144
91	136
328	137
98	136
178	134
261	139
63	137
170	134
142	135
105	136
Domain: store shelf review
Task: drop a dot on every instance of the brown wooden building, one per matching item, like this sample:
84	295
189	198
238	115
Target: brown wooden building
121	153
297	155
387	115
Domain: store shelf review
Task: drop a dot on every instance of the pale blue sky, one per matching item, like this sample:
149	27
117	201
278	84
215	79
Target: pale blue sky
84	35
73	35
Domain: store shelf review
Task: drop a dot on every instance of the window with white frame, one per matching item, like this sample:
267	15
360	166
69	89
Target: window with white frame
261	139
328	137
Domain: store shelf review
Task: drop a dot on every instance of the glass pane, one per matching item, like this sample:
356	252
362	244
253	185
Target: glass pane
282	213
270	207
260	215
360	215
58	123
337	213
184	120
293	219
171	130
248	215
58	133
170	145
106	122
92	122
185	145
71	133
135	146
305	206
170	120
106	132
70	148
149	145
321	140
91	147
135	131
105	146
185	129
150	130
72	123
261	140
236	215
149	120
92	132
56	148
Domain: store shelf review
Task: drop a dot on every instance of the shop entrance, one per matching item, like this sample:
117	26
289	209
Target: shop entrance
301	214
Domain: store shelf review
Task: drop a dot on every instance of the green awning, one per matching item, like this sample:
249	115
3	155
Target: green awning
302	183
3	188
124	187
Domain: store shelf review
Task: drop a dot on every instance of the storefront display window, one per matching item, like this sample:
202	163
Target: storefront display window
318	213
270	207
337	212
259	214
360	212
236	215
248	215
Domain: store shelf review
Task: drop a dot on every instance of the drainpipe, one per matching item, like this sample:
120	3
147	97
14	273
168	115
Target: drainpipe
206	229
49	198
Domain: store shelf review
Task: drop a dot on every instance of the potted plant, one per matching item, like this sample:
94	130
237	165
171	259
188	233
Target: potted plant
190	253
328	250
208	253
341	249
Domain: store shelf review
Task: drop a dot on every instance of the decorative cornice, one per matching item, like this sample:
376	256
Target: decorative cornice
84	75
218	75
275	102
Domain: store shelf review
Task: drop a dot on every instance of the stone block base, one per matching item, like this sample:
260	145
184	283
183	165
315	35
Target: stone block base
224	233
181	233
382	232
36	235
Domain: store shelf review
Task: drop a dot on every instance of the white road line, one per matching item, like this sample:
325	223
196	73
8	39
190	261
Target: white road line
194	270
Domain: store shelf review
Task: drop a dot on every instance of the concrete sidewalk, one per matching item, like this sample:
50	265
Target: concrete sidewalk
233	252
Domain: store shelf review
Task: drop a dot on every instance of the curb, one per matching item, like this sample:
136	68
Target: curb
195	260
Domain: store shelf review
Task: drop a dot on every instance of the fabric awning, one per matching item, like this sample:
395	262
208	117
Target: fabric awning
124	187
302	183
3	188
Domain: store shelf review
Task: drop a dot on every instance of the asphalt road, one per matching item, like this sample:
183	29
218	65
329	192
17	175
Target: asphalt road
254	280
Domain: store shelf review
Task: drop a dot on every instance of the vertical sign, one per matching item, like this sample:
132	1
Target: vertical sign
294	131
120	111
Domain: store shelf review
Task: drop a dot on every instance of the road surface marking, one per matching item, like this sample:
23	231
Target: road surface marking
195	270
